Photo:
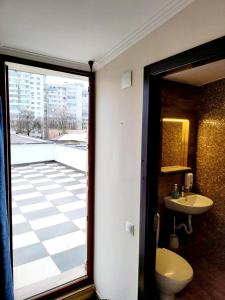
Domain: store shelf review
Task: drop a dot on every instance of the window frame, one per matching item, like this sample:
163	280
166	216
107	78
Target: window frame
4	84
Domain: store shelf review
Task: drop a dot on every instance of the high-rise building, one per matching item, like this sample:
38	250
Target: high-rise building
85	108
54	105
26	92
64	101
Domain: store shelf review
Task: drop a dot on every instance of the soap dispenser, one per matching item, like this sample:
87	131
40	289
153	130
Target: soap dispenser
188	181
175	192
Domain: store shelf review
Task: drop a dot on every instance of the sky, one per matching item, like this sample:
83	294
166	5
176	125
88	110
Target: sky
58	80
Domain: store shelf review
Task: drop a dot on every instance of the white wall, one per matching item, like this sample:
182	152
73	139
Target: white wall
72	157
118	143
28	153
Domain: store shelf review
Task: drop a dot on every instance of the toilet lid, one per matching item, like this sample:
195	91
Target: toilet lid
172	265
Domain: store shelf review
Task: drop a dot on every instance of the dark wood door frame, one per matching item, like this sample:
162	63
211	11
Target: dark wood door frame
203	54
85	280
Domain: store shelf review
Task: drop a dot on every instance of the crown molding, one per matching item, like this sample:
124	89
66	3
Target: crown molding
43	58
171	8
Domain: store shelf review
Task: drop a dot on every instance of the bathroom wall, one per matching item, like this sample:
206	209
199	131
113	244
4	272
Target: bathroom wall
204	248
172	144
210	171
178	101
181	101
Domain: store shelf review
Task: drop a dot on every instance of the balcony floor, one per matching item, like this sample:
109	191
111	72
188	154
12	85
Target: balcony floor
49	222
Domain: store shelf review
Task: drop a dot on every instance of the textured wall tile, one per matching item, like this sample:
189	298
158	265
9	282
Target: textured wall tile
172	145
210	171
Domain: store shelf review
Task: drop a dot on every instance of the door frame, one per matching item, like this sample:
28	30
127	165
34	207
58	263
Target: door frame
89	278
150	157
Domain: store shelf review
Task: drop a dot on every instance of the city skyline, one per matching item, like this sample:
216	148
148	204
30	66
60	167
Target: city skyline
51	100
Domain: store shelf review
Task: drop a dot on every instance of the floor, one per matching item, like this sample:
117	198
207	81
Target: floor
49	221
207	284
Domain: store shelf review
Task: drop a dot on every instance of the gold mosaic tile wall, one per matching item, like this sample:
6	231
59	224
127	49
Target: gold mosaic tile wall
172	151
210	169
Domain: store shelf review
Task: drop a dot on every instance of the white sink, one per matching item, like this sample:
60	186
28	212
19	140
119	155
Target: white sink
192	204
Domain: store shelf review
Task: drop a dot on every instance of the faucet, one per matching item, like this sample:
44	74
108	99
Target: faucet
182	191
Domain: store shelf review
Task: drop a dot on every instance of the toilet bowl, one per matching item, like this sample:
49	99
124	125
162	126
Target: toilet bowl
173	273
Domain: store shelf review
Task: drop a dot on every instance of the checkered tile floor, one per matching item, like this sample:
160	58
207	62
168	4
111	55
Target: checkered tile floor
49	221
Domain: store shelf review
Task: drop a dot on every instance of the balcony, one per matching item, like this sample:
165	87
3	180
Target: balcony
49	188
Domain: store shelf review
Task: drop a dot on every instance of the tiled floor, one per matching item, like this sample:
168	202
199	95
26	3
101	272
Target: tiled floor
49	221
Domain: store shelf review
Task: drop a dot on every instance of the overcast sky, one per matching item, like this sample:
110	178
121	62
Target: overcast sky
58	80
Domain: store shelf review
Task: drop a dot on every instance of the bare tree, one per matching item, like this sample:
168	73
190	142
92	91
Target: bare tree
62	120
26	122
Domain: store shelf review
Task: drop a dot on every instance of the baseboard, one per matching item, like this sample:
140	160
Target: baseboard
99	298
86	293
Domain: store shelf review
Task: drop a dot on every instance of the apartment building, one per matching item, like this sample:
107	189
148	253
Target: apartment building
68	100
26	92
47	101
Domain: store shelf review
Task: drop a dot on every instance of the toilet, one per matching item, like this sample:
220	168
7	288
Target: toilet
173	272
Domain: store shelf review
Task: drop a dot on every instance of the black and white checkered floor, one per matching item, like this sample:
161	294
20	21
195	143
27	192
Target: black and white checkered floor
49	221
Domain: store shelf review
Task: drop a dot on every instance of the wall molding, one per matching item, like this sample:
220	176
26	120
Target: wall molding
171	8
43	58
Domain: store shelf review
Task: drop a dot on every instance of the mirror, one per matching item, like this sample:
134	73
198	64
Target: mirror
175	134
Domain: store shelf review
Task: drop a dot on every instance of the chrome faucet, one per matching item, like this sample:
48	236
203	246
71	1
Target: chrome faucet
182	191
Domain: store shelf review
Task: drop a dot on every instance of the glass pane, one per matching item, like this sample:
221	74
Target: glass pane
48	123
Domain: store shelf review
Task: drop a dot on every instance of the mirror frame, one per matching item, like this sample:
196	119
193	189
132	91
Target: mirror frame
184	143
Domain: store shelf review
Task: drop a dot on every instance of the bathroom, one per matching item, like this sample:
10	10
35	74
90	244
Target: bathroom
192	137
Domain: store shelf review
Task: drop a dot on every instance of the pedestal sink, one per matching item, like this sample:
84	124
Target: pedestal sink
191	204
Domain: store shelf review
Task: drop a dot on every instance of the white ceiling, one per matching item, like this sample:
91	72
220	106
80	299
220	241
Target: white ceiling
80	30
200	75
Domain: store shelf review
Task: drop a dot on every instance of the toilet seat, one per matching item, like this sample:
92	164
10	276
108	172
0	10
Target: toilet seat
173	266
173	272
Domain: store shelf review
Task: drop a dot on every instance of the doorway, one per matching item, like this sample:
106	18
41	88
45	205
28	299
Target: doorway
49	106
150	168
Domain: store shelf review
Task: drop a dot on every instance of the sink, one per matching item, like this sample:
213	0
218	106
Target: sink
192	204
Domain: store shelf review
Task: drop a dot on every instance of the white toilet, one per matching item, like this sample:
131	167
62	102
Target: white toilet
173	272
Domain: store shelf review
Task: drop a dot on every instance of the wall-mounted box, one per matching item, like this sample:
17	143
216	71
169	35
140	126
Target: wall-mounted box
126	80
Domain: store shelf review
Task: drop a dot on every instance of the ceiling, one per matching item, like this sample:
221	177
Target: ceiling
80	30
200	75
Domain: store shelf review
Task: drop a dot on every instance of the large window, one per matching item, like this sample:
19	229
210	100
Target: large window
49	133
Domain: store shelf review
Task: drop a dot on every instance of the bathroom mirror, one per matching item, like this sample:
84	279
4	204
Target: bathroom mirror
175	134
